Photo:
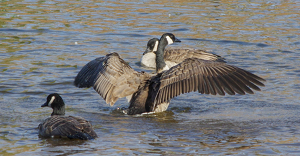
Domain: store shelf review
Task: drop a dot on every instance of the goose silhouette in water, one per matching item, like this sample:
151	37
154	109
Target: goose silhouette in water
113	78
59	125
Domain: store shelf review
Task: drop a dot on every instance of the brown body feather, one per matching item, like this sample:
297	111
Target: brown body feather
179	55
66	126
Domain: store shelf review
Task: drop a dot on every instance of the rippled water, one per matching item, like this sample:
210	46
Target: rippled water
44	44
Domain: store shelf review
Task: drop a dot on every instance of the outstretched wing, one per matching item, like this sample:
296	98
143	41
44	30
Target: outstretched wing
111	77
206	77
179	55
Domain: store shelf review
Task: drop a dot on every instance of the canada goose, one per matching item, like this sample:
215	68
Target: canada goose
59	125
173	56
113	78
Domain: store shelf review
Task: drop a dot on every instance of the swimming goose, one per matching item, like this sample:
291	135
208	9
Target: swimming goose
113	78
174	56
59	125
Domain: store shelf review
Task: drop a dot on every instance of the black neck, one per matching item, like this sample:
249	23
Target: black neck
160	62
59	109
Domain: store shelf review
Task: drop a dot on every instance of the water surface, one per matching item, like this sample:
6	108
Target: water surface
44	44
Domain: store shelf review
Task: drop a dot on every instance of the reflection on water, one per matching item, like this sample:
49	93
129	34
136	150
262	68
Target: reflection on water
45	43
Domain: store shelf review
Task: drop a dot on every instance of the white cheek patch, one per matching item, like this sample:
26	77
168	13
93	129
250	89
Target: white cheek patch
170	41
51	101
155	46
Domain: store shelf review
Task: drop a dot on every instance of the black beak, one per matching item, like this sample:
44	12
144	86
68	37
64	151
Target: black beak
177	40
45	104
147	51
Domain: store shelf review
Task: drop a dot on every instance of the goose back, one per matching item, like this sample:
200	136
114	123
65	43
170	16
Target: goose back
67	126
179	55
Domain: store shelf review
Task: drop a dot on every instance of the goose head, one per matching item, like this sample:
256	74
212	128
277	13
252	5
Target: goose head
166	39
152	46
169	37
55	102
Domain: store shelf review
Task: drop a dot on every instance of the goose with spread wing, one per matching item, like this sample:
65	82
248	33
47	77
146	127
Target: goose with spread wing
174	56
113	78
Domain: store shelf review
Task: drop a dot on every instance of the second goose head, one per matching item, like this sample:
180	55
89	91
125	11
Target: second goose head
151	46
148	58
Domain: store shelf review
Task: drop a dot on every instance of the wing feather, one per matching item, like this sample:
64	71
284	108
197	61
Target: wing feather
111	77
208	77
179	55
